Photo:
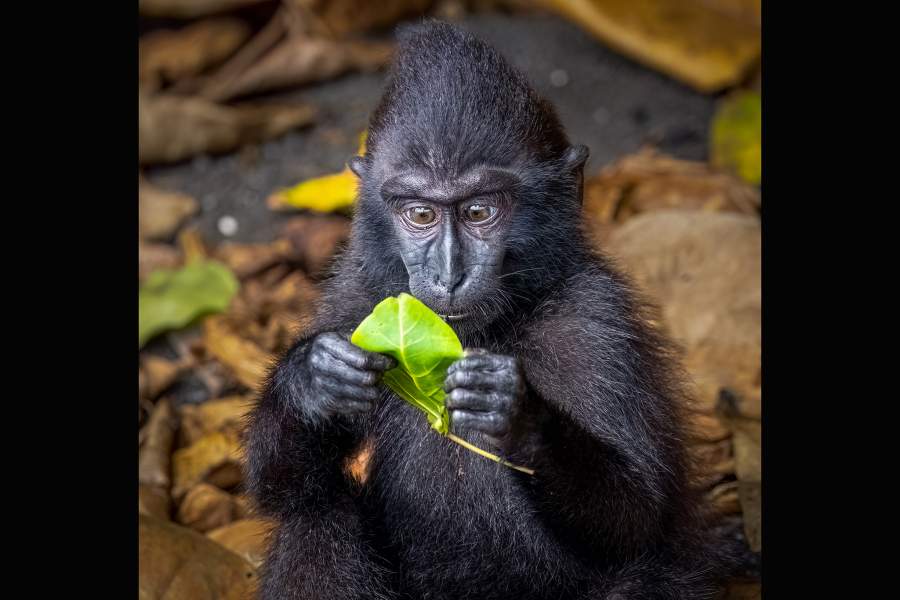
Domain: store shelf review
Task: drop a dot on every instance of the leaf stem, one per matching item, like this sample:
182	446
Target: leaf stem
487	454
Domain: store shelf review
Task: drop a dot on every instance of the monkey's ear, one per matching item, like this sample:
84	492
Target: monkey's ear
359	166
576	156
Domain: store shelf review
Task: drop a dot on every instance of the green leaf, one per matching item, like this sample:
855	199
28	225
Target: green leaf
737	136
170	299
424	347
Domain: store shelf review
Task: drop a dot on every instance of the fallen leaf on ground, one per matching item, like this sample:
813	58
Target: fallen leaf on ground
154	257
215	459
188	9
712	462
354	16
743	590
160	373
206	507
222	414
192	246
737	136
166	56
175	563
248	538
747	449
329	193
707	428
724	498
155	452
647	181
161	212
154	500
315	239
685	39
246	360
750	493
297	61
173	128
703	270
170	299
245	260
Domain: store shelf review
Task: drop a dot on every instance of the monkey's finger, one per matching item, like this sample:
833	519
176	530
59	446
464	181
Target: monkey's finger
490	423
346	390
477	401
327	364
356	356
480	380
483	362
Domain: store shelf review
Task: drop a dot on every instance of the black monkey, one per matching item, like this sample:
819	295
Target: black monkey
470	199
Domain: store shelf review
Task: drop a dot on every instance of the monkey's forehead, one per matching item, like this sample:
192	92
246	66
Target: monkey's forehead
441	187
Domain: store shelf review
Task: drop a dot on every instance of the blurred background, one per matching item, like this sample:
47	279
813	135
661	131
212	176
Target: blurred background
249	111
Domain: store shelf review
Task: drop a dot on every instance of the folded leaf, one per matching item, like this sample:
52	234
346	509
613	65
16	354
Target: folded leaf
424	347
170	299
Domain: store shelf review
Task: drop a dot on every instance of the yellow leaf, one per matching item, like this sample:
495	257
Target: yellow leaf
329	193
737	136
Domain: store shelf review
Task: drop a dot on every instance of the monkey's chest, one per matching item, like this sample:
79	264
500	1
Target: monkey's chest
455	521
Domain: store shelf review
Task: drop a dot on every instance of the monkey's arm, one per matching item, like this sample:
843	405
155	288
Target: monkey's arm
608	458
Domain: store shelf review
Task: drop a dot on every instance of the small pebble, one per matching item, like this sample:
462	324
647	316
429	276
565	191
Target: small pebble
559	78
228	225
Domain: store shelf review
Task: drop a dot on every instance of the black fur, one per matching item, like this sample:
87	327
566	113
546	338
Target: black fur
609	512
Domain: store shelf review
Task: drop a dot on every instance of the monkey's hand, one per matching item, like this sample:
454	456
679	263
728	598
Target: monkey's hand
484	393
343	378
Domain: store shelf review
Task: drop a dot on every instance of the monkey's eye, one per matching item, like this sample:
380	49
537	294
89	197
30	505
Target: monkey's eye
420	215
478	213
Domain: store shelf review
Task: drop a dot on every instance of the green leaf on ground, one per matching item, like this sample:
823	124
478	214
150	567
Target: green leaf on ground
171	299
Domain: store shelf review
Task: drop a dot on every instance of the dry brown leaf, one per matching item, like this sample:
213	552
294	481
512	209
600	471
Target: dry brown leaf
167	56
712	462
747	449
161	212
206	507
357	466
223	414
724	498
648	181
215	459
245	359
687	40
243	507
175	563
246	260
703	269
747	405
750	493
160	373
154	500
248	538
188	9
707	428
173	128
154	464
315	239
296	61
743	590
191	244
152	257
354	16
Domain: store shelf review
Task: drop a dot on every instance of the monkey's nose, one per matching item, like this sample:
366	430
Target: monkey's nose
448	282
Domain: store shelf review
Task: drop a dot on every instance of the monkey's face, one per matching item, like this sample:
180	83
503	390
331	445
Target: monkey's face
452	236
